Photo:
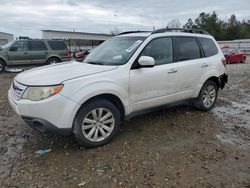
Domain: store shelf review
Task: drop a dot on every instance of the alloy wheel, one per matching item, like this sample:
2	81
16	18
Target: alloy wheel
209	96
98	124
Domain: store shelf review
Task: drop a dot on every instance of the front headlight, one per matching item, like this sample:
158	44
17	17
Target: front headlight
40	93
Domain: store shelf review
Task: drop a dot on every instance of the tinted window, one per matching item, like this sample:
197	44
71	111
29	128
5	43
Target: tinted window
20	46
208	46
37	46
161	50
57	45
188	48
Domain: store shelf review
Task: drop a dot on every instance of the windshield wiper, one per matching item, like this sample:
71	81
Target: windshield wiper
94	63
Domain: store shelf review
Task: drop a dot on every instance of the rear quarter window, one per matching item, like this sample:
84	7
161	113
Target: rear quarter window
57	45
208	46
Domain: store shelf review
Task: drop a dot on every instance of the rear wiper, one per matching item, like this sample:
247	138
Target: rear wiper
94	63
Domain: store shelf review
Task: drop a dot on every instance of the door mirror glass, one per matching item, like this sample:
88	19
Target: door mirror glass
146	61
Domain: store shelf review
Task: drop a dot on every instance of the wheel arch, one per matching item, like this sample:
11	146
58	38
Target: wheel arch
214	79
54	56
3	60
115	100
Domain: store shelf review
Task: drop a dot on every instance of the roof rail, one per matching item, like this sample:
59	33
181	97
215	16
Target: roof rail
128	32
198	31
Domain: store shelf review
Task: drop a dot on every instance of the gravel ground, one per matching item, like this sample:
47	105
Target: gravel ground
174	147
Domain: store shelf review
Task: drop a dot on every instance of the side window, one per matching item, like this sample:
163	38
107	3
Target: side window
57	45
208	46
19	46
37	46
187	48
161	49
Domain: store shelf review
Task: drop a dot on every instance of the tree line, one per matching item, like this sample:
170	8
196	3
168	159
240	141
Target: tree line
230	29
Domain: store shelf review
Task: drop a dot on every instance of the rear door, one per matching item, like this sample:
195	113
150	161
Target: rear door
190	64
38	51
18	53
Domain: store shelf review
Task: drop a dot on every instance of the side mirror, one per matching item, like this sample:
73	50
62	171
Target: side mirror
13	48
146	61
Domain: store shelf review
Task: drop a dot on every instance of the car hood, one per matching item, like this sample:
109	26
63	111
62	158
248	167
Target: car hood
58	73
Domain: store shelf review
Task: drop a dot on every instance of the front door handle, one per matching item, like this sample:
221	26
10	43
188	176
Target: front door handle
171	71
25	53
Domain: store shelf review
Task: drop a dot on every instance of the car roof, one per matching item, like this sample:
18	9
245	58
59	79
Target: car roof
147	34
41	40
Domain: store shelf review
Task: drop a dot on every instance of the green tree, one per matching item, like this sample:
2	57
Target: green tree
221	30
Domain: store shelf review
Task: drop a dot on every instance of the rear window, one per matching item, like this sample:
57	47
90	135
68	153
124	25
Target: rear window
188	48
57	45
37	46
208	46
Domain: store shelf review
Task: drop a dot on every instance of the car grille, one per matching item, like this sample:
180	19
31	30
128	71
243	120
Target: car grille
17	90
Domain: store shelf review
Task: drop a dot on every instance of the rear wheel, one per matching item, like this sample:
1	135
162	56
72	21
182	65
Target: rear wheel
53	60
243	60
2	66
96	123
207	97
228	60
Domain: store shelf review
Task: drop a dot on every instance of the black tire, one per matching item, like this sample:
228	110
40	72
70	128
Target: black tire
199	102
53	60
243	61
2	66
84	112
228	60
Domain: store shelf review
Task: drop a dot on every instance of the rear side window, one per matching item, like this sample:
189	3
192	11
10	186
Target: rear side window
187	48
57	45
37	46
208	46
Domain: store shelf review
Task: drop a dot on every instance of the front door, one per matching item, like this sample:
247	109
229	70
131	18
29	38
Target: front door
18	53
154	86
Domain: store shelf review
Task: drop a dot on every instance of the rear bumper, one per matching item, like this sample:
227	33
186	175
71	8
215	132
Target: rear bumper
223	80
44	126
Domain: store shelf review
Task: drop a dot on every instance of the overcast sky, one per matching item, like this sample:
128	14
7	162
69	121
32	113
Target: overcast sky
27	18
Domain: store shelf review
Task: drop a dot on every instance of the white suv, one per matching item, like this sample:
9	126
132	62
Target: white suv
125	75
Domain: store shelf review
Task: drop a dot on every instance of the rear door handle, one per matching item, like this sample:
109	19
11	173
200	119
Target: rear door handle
204	65
171	71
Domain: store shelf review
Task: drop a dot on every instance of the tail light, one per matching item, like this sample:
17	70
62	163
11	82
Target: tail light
224	61
67	53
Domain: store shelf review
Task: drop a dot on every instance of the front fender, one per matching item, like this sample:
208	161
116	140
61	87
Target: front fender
92	89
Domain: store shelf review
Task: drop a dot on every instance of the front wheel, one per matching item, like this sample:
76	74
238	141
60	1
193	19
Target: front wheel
96	123
207	97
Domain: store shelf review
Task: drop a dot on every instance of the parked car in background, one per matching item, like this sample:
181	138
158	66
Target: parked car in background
234	55
80	56
24	52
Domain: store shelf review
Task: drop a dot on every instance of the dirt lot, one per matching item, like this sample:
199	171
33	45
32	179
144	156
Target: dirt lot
176	147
